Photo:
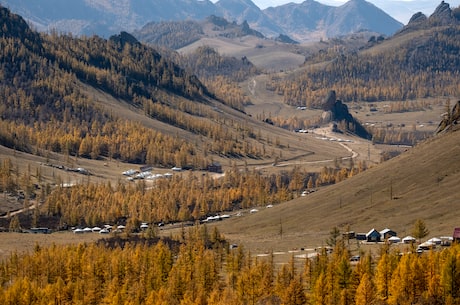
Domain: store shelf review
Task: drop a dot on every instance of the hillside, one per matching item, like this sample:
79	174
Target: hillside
419	184
413	71
88	109
179	34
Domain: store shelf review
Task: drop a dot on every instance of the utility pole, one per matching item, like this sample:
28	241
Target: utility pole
391	189
368	152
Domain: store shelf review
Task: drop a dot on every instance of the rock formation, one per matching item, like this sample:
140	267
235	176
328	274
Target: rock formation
450	119
337	112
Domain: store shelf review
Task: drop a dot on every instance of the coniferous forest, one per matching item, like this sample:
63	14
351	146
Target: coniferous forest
46	107
200	268
412	71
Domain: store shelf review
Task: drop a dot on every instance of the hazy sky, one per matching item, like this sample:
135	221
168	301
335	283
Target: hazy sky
401	10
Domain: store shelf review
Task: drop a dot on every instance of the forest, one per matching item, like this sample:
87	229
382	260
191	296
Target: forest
46	107
199	267
182	198
413	70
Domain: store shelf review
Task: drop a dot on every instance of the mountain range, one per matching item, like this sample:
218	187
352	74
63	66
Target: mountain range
304	21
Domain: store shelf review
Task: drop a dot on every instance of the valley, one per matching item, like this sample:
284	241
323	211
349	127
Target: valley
233	170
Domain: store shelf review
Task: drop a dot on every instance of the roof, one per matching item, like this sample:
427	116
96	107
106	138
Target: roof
373	231
386	231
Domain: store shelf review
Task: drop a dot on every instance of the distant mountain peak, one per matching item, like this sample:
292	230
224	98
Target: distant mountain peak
237	2
309	20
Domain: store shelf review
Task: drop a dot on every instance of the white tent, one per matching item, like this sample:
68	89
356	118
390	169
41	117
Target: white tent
435	241
394	239
408	239
427	245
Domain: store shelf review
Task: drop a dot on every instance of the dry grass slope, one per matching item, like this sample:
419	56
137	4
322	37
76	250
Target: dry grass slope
419	184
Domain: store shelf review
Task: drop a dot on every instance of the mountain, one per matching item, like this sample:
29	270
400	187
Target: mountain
412	55
178	34
245	10
105	17
312	18
302	19
365	16
108	17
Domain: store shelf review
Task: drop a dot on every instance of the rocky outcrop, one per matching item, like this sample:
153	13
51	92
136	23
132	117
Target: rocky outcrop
124	38
418	18
336	111
286	39
450	119
442	16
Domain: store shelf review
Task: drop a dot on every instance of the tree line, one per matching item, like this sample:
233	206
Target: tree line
199	267
186	197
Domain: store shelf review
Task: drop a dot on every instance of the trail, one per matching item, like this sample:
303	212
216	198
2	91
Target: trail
12	213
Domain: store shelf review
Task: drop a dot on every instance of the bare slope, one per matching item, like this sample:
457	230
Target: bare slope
419	184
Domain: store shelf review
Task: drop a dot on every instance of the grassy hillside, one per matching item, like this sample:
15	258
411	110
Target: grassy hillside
106	106
419	184
108	99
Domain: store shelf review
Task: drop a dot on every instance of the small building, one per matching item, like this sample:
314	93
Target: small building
349	235
215	167
40	230
436	241
456	235
146	168
409	240
387	233
394	240
373	236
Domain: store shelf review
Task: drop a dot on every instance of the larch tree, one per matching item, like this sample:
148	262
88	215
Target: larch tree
383	275
420	230
450	279
365	292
